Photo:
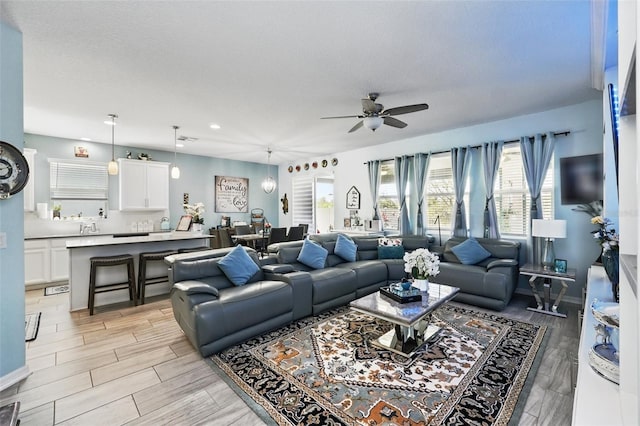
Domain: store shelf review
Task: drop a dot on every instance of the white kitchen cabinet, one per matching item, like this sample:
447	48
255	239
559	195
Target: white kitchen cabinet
46	260
59	259
143	185
37	269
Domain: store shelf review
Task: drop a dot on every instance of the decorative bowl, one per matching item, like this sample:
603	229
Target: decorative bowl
406	285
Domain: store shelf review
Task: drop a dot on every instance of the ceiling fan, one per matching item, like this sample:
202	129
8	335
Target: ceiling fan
374	115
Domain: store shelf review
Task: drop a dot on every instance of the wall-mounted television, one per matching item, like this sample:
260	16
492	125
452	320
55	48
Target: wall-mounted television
581	179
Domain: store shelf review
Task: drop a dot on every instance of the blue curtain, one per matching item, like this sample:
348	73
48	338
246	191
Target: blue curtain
402	178
460	160
420	167
491	153
536	156
374	184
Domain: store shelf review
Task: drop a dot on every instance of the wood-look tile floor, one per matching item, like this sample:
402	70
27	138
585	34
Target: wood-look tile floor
133	365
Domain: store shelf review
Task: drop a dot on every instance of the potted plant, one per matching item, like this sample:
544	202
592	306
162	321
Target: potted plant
421	264
56	210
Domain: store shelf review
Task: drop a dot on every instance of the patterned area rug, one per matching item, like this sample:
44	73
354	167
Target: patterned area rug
323	371
31	326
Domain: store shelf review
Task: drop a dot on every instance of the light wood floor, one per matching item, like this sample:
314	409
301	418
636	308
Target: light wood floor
133	365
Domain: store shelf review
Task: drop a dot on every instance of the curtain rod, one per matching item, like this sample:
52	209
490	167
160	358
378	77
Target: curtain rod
563	133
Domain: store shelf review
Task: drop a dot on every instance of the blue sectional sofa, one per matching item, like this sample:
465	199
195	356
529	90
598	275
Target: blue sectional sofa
214	313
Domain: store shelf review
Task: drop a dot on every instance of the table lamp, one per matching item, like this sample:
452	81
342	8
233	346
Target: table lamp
549	229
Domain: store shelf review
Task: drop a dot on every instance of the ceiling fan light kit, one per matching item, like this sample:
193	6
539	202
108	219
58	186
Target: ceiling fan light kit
372	123
374	115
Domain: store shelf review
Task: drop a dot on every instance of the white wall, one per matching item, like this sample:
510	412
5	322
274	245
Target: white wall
583	120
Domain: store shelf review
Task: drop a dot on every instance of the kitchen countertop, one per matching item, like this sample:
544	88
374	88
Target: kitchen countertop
109	240
99	234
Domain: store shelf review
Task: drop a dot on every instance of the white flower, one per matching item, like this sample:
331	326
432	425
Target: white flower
421	263
195	210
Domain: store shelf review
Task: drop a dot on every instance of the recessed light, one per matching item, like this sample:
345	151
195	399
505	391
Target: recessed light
214	126
85	139
179	145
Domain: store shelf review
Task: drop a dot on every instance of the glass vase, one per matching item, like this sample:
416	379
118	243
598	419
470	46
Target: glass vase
611	264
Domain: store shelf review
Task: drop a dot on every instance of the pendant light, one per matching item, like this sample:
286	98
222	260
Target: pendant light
268	184
113	166
175	171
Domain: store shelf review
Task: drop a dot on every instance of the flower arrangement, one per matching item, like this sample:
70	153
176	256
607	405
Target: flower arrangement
196	211
605	234
422	264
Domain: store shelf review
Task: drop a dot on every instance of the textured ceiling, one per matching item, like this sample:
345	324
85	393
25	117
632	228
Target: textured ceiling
267	71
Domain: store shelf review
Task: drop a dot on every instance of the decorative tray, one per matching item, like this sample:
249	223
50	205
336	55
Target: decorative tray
603	359
607	313
400	295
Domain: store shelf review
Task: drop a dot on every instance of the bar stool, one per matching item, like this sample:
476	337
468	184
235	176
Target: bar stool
109	261
143	279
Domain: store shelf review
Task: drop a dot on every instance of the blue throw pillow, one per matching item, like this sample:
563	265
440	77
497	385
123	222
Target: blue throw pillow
390	252
238	266
313	255
470	252
345	248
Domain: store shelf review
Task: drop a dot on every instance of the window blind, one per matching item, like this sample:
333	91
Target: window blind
75	180
302	201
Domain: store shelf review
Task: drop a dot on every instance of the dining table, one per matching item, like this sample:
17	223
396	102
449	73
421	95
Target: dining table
252	239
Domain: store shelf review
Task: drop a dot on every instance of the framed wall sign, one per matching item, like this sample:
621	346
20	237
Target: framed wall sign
184	223
232	194
353	198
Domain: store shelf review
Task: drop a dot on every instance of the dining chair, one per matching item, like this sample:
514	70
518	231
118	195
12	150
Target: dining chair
225	238
296	233
277	235
243	229
305	227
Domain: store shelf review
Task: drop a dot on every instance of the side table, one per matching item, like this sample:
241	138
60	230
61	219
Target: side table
543	301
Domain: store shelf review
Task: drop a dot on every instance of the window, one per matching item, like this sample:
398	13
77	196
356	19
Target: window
439	196
511	193
388	202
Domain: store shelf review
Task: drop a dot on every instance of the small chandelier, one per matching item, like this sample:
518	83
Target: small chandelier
268	184
175	171
112	168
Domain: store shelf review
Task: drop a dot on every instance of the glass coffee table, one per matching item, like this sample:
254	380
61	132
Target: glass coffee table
412	321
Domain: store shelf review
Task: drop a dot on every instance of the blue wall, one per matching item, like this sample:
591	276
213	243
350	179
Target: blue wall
197	175
12	348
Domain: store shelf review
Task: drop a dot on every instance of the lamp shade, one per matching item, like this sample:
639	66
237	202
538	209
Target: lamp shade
549	228
175	172
372	122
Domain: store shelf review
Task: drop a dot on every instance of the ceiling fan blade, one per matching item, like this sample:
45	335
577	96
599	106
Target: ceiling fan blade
368	106
394	122
356	127
341	116
405	109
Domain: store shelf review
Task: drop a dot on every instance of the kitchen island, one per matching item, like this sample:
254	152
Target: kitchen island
81	250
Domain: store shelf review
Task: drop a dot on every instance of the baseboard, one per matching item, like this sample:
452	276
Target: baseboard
14	377
566	299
